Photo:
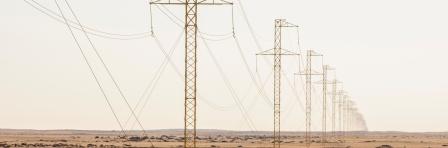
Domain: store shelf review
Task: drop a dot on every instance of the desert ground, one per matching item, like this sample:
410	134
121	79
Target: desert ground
214	138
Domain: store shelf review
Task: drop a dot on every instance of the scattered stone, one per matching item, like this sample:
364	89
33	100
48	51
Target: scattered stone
384	146
137	139
127	145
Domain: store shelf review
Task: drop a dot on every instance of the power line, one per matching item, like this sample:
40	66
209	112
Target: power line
308	74
261	91
178	22
53	15
104	34
254	36
254	100
105	66
179	74
230	87
151	87
91	69
278	52
190	81
174	18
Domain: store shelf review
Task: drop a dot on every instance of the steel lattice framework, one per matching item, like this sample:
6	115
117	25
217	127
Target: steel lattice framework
325	69
344	115
308	78
341	95
334	93
324	83
277	52
277	80
191	32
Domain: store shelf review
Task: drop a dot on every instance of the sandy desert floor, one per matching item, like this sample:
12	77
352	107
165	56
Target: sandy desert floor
214	138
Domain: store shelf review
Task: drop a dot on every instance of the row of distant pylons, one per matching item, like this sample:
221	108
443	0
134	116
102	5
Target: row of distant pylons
344	115
342	106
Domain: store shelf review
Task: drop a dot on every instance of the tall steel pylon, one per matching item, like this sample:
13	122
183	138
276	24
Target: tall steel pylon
339	102
308	77
347	107
324	83
325	70
334	93
344	116
191	31
278	52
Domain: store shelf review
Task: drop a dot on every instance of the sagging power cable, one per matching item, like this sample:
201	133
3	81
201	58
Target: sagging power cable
104	64
230	87
95	32
91	70
149	90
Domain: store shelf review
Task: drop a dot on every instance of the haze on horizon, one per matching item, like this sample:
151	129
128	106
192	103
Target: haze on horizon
390	55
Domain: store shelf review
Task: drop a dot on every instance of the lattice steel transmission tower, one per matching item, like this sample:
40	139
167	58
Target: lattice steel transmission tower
340	102
308	76
191	31
278	52
334	93
325	69
344	116
324	83
347	107
350	107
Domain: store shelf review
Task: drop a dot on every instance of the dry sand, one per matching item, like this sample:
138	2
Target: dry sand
213	138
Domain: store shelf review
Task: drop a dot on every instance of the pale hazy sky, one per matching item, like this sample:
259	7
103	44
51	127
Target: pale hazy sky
390	54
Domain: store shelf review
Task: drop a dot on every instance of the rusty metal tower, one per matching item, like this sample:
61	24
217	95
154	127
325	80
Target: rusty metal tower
191	32
278	52
308	76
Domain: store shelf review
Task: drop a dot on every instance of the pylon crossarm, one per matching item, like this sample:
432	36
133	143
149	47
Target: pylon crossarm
315	54
266	52
215	2
180	2
271	52
284	23
287	52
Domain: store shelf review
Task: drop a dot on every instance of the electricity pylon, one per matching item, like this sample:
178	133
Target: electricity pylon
324	82
334	94
353	124
191	31
343	99
349	115
278	52
325	69
344	119
308	75
340	103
